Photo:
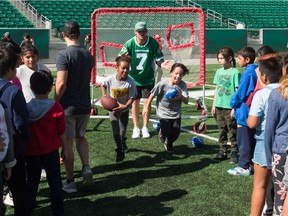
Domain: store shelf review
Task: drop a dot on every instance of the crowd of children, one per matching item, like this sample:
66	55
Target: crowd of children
250	109
258	103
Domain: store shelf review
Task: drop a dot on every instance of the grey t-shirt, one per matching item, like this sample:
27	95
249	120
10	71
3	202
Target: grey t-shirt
168	109
122	91
78	62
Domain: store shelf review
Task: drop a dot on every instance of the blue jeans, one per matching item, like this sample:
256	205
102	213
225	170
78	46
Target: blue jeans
51	163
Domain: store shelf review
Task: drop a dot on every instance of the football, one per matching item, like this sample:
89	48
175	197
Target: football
171	93
108	103
156	126
197	141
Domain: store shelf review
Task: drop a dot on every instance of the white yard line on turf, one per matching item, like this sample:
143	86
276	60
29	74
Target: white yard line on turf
200	135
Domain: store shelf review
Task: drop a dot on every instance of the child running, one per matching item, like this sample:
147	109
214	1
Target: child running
29	56
47	124
245	135
169	110
122	88
226	80
269	73
276	136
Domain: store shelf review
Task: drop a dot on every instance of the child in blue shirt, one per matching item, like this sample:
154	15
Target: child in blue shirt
245	135
269	73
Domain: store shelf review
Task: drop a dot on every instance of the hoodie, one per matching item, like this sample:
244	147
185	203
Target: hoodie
246	87
47	123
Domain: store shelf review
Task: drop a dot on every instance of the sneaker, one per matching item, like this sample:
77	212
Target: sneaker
8	201
136	133
168	148
239	171
87	175
161	138
120	156
69	187
43	174
220	156
233	157
145	133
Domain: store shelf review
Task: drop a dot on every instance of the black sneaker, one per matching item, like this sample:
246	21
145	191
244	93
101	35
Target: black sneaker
233	157
220	156
168	148
120	155
161	138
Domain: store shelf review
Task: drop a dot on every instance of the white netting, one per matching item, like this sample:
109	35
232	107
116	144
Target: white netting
183	27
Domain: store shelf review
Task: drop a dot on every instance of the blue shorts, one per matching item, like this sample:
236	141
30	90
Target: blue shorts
259	156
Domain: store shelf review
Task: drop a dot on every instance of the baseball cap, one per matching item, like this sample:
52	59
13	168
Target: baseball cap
71	27
140	26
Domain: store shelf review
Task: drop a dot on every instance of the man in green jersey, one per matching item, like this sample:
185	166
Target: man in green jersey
145	52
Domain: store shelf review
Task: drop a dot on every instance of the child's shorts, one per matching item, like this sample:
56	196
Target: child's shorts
259	156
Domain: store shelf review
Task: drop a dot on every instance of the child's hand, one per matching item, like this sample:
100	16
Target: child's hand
213	110
232	114
166	65
120	107
64	154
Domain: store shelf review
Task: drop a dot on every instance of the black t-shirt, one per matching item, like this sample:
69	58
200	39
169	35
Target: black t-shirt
78	63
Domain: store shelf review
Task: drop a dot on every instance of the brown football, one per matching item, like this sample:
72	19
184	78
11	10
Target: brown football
108	103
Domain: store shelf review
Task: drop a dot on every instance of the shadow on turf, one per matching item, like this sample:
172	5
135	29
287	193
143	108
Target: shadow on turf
112	178
118	205
150	166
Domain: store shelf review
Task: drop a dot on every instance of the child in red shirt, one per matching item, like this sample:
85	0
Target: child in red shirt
47	124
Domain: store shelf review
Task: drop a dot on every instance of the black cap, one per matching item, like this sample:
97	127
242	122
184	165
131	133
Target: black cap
71	27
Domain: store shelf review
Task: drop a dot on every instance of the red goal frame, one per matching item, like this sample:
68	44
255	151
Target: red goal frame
111	11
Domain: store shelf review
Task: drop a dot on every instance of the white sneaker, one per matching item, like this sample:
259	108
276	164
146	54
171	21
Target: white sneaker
69	187
43	173
145	133
136	133
8	201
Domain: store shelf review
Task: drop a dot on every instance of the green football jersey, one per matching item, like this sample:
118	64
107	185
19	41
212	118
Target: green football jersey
143	60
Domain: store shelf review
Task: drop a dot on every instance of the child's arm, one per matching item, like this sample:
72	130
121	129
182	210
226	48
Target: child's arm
124	106
104	90
245	88
256	111
183	98
147	107
253	121
213	109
